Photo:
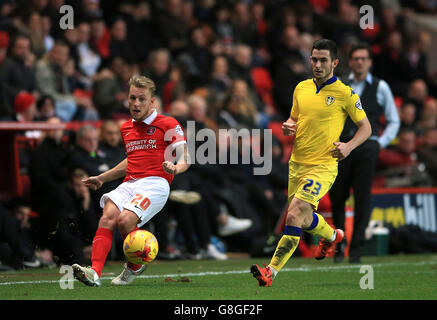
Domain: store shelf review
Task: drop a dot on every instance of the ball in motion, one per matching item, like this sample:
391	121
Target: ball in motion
140	247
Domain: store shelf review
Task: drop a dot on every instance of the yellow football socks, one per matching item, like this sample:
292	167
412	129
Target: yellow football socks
285	248
320	227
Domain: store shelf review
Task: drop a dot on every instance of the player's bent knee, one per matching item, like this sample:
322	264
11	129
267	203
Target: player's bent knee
126	221
109	216
297	211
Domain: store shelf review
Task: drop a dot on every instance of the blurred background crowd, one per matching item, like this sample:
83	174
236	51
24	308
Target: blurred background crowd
223	64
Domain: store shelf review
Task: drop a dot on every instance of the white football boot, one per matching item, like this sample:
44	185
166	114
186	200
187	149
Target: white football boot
127	276
86	275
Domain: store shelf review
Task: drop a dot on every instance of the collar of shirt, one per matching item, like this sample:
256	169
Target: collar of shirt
369	78
149	119
329	81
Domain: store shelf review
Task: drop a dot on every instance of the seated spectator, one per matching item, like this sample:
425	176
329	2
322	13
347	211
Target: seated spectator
17	249
77	221
241	64
14	73
87	156
430	105
158	69
109	93
427	120
220	80
417	94
238	110
110	148
198	111
31	25
427	153
89	61
46	108
197	58
407	115
52	80
399	165
119	44
24	108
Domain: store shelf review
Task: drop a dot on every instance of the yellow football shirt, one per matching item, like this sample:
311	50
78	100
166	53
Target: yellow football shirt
321	113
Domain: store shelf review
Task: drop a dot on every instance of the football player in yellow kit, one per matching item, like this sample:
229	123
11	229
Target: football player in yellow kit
319	111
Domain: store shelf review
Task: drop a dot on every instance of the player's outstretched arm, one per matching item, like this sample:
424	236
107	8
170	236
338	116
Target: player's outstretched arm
342	150
182	161
119	171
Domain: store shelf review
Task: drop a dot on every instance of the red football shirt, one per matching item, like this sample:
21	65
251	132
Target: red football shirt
146	144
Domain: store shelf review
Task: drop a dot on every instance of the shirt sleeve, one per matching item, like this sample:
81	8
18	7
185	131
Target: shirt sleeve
354	107
386	100
294	113
174	134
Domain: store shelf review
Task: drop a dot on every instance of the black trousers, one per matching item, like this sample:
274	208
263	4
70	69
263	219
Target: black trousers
356	172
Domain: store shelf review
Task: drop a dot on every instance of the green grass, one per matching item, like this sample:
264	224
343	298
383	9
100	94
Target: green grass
409	277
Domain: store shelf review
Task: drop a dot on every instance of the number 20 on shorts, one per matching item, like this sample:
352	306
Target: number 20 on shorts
315	186
141	201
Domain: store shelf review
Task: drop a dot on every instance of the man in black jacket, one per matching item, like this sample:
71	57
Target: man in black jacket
47	170
356	171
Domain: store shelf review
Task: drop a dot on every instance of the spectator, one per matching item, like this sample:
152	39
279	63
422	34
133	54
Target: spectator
87	156
398	165
47	171
241	64
197	58
288	47
119	46
222	25
158	69
46	108
390	64
89	61
239	110
219	80
77	221
14	73
52	80
100	37
287	76
16	247
24	108
110	95
174	33
417	94
428	120
245	29
47	37
407	114
427	154
110	148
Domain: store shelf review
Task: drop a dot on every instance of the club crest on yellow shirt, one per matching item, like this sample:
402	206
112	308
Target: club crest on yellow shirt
329	100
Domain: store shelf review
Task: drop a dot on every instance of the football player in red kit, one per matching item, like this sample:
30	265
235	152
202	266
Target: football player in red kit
150	140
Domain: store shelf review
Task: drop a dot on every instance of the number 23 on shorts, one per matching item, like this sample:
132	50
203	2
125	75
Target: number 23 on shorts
315	186
141	201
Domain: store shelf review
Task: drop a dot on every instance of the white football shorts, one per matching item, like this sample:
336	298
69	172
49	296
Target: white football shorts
145	197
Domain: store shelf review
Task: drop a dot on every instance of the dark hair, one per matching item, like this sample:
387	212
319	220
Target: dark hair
43	99
326	44
361	46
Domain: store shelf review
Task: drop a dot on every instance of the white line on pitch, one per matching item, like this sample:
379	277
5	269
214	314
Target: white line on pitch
217	273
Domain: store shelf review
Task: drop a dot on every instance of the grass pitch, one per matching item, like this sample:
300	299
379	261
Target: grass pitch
396	277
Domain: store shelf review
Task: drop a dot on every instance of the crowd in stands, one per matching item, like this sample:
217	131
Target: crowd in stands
224	64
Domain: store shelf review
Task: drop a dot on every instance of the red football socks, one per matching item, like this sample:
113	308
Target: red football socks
102	243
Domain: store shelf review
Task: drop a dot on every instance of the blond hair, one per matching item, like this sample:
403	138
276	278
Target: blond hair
142	82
